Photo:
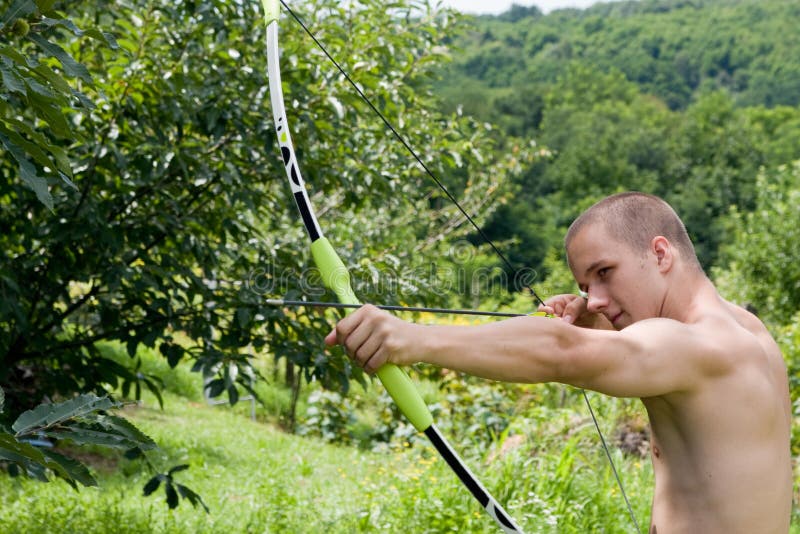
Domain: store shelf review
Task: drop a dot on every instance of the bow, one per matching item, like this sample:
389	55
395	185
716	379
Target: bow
336	277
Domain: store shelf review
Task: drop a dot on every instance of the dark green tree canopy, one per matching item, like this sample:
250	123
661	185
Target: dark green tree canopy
177	221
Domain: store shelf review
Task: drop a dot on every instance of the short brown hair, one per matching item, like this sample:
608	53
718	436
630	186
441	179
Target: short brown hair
635	218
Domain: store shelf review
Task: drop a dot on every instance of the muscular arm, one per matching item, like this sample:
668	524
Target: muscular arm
650	358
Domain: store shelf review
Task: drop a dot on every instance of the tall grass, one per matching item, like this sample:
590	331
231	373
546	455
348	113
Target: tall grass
547	468
256	478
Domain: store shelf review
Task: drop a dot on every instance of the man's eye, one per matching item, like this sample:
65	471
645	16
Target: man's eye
602	272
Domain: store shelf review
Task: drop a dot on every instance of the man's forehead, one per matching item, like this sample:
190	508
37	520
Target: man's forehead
589	238
591	246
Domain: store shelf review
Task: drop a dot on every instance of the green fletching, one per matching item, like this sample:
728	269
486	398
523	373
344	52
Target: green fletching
395	380
272	9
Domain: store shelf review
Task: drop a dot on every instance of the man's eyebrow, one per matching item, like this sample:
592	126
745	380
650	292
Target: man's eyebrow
594	266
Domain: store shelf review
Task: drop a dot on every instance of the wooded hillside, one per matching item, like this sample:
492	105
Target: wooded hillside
686	99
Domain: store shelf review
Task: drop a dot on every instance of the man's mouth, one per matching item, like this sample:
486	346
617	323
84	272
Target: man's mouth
615	318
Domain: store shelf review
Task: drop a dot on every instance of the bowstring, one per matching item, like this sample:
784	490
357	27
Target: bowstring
475	225
410	150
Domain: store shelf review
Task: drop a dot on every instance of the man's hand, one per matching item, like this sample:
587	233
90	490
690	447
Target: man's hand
373	337
572	309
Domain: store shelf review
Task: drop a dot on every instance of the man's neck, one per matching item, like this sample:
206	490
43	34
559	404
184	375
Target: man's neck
685	294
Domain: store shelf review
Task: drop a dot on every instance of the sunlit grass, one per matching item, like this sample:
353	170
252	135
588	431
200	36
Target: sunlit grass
256	478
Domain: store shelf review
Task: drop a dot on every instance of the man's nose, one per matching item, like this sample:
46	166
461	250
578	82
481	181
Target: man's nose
596	302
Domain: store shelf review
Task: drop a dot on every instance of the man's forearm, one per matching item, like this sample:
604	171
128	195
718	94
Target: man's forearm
523	349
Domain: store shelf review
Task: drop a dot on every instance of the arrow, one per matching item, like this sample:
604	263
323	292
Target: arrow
389	307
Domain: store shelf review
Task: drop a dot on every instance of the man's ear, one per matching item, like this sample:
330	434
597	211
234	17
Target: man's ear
663	251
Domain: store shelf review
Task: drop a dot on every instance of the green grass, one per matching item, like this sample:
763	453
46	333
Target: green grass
256	478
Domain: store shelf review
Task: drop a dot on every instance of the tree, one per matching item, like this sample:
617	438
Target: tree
759	265
36	90
601	135
181	220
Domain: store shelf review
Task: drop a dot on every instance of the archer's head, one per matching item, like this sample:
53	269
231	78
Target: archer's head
630	252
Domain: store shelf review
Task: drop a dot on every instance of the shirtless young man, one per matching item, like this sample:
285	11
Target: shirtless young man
711	377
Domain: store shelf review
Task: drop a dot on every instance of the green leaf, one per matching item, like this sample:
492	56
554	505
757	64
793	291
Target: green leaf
172	495
84	100
177	469
2	400
67	181
12	53
155	391
45	5
27	172
76	470
233	395
46	415
106	430
52	114
11	78
9	446
173	352
29	457
66	23
19	9
127	429
52	78
152	485
193	497
215	387
88	436
105	37
32	149
71	67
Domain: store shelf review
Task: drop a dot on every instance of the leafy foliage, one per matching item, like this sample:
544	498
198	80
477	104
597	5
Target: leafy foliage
552	477
182	220
761	259
632	96
81	420
174	490
36	89
674	49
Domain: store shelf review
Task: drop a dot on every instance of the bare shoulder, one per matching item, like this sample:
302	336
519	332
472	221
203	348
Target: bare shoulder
748	321
710	336
769	347
716	342
660	356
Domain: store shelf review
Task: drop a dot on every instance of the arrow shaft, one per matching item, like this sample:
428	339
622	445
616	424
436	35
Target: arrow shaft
389	307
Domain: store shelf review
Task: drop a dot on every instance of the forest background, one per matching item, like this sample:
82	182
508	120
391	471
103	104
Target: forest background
145	219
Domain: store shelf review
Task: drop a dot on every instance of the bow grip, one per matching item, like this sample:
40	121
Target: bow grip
397	383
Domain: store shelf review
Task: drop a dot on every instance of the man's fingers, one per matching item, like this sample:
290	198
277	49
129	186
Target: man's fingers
573	310
332	338
371	337
367	350
361	340
555	305
345	327
376	361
